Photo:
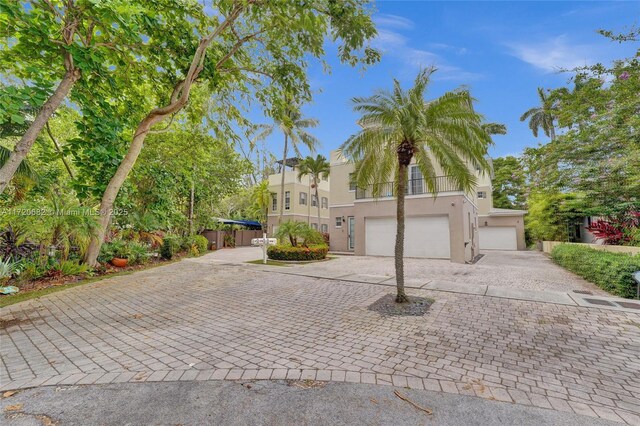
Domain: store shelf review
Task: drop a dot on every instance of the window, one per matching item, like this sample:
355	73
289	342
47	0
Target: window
415	181
287	200
338	222
325	203
303	198
274	202
324	228
482	194
352	181
314	200
314	226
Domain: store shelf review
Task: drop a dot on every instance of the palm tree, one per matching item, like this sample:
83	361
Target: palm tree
294	126
315	168
24	169
541	117
494	128
398	126
261	196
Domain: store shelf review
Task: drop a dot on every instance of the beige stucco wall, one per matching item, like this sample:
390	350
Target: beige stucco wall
296	207
338	236
451	206
272	221
517	221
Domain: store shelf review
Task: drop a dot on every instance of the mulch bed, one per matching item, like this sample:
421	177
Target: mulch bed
104	270
387	306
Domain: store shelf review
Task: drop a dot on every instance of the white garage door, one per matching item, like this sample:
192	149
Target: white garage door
498	238
423	237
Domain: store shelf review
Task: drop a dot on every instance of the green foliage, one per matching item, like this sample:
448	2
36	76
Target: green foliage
68	267
138	253
509	183
229	240
170	246
298	232
57	220
8	269
551	214
201	243
287	252
609	271
598	153
445	131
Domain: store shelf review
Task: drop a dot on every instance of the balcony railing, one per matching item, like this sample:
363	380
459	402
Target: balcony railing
414	187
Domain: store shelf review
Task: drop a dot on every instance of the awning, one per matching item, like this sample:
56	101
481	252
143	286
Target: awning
248	223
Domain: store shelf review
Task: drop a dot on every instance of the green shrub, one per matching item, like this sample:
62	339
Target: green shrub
609	271
167	248
195	244
287	252
201	242
69	267
138	253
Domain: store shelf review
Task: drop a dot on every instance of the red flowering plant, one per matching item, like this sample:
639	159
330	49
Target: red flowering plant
620	231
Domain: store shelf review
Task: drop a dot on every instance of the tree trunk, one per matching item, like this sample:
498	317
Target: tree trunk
26	142
284	167
318	202
191	201
55	144
178	100
401	297
110	193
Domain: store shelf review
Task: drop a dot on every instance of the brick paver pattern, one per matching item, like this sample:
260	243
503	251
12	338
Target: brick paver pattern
198	321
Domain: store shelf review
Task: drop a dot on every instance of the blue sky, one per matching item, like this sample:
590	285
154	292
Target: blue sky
502	51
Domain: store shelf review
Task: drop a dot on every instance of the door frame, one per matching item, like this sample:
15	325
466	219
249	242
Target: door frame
351	230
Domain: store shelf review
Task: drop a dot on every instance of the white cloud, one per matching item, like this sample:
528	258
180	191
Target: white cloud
393	21
554	54
396	45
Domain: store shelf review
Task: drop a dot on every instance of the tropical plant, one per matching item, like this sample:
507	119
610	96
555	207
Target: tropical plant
621	230
68	268
8	269
299	233
167	249
14	246
253	39
399	126
509	183
138	253
261	199
23	170
317	169
541	117
294	127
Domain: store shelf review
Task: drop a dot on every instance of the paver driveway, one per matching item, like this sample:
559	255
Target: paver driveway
200	320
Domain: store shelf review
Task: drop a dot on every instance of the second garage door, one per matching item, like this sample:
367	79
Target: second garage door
498	238
425	236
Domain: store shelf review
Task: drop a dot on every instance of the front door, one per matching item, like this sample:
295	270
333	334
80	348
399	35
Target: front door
351	231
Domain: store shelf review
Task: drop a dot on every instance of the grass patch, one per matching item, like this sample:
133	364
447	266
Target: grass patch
269	262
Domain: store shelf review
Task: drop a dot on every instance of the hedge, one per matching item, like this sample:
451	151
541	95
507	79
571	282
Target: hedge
286	252
610	271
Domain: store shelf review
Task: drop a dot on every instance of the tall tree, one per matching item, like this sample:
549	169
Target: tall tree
508	183
55	43
316	168
541	117
400	125
294	127
254	40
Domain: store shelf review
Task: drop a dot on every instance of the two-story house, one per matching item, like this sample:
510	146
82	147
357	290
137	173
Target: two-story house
300	202
453	225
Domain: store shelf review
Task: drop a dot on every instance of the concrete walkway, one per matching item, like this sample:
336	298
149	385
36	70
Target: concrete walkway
265	403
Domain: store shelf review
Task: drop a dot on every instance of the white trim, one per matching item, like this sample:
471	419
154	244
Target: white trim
440	194
340	205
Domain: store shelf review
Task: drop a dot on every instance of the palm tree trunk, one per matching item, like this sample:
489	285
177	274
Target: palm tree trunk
26	142
284	168
317	202
401	297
